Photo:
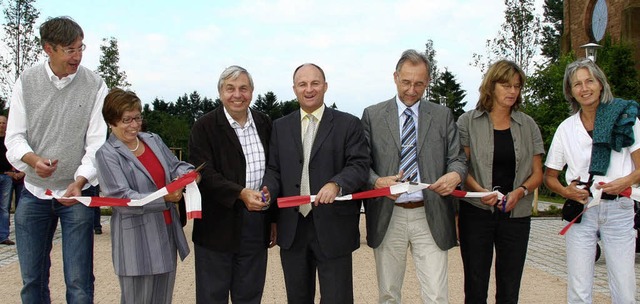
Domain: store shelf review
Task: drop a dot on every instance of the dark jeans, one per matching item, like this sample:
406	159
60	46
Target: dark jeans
481	231
36	221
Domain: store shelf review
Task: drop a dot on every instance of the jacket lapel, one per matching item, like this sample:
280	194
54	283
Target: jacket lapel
324	129
393	123
424	123
123	150
296	134
231	135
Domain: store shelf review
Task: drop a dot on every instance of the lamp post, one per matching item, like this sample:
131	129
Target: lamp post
443	100
590	50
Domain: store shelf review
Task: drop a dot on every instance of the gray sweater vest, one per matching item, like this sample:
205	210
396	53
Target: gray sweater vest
57	121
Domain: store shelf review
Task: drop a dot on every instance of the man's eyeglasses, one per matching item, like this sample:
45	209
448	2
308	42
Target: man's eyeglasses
129	120
73	51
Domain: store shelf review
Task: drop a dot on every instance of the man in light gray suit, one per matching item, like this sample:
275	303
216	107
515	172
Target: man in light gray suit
411	139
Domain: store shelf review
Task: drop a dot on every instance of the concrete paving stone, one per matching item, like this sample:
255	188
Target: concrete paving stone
544	278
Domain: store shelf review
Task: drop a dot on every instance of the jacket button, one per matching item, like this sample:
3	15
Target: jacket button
297	185
301	161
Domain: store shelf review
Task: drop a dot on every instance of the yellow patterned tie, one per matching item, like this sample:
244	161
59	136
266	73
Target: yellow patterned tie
307	143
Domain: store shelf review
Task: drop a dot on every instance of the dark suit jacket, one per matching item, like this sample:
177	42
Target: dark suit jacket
339	154
439	152
215	142
139	235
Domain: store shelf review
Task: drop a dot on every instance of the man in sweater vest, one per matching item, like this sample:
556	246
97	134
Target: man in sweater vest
53	132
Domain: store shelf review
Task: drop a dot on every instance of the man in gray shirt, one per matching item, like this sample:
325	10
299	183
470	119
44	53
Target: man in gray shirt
54	129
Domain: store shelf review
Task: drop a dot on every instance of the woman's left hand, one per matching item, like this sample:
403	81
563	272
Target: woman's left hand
511	200
614	187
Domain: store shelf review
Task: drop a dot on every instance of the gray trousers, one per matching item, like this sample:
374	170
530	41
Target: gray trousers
147	289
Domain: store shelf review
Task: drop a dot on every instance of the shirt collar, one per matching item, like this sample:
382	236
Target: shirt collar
401	107
54	78
317	113
234	124
516	116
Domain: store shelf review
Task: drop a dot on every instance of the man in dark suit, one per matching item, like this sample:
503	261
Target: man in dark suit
232	238
317	150
416	140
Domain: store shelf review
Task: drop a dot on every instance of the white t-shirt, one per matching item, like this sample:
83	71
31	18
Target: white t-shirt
571	145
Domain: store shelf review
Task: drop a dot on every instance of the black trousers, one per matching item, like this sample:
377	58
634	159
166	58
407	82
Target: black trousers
480	232
300	262
240	274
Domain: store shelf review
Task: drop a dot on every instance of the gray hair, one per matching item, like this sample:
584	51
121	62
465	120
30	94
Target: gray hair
571	70
414	57
233	72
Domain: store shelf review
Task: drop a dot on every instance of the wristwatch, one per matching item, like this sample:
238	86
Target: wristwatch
526	191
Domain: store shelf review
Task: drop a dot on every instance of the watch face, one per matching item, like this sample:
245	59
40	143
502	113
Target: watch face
599	19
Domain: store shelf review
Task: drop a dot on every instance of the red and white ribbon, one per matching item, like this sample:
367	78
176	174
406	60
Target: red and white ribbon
631	192
397	189
192	198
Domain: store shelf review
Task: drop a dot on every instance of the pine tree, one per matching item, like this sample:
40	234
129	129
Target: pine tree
552	29
268	105
448	91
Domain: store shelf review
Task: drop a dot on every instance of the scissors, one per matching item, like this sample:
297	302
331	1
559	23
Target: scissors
200	167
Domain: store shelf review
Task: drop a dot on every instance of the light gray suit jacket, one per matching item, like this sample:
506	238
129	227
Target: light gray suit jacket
142	243
439	152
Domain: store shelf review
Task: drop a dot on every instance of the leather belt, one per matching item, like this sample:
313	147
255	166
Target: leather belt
610	197
410	205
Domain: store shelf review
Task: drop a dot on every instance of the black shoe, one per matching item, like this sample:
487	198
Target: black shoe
8	242
97	230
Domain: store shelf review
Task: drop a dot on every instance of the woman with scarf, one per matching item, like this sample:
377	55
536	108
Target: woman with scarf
599	145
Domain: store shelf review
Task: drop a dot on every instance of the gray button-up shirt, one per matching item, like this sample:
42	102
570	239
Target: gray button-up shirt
476	132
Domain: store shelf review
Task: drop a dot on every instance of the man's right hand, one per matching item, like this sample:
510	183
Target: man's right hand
45	167
252	199
388	181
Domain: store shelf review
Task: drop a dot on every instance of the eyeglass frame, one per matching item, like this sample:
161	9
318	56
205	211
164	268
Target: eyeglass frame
73	51
129	120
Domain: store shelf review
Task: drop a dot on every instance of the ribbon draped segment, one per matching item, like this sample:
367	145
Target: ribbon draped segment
192	198
397	189
631	192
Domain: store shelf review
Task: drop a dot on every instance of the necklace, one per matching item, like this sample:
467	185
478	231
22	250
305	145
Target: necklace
137	145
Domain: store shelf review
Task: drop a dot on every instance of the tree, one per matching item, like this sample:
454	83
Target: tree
22	46
517	38
552	29
449	91
430	53
616	61
548	106
290	106
268	105
109	68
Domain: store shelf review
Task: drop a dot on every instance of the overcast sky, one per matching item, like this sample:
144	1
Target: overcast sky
169	48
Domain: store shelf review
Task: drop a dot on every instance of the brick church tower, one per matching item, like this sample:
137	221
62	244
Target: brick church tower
588	21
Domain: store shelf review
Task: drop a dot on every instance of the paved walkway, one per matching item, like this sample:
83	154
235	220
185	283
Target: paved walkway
544	279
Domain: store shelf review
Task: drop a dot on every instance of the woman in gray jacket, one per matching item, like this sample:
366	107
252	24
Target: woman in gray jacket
145	239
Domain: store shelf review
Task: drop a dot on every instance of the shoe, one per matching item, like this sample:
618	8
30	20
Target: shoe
97	230
8	242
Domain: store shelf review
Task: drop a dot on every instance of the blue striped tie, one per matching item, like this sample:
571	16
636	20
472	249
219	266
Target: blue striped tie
409	152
